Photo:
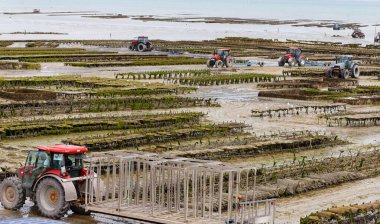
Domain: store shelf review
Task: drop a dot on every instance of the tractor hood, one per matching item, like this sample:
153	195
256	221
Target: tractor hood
339	65
215	57
289	56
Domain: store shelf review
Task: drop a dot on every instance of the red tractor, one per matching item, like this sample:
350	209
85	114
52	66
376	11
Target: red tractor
358	34
54	178
292	57
221	58
141	44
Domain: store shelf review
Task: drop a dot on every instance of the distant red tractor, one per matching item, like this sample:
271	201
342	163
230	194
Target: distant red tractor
358	34
293	57
54	178
141	44
221	58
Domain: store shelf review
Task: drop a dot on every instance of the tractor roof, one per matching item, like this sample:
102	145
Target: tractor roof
142	37
64	149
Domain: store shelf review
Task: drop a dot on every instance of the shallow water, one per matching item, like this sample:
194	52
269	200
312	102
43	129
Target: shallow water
77	27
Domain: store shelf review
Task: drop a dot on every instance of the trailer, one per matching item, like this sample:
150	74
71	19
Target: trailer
148	187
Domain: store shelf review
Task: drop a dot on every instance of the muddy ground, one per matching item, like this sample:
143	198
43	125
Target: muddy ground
236	102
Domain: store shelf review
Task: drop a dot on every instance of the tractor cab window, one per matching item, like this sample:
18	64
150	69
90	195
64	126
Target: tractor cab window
222	53
58	161
32	159
43	160
74	164
294	51
74	160
344	59
142	39
291	51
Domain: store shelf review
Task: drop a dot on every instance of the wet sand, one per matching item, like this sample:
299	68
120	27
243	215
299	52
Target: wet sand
237	101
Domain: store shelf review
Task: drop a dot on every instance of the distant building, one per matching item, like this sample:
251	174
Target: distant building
36	11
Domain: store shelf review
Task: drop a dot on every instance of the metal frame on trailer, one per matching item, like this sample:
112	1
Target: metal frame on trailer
172	190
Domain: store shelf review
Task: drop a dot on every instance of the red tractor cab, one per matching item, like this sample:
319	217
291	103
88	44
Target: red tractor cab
221	58
53	177
141	44
292	57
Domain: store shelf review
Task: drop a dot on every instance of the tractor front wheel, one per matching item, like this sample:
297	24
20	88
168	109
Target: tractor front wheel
12	196
50	199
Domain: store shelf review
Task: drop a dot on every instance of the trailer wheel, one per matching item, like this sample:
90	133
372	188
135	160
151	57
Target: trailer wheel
50	199
12	195
141	47
355	73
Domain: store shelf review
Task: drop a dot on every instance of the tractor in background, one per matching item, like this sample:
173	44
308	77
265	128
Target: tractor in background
141	44
337	26
344	68
221	58
54	178
293	57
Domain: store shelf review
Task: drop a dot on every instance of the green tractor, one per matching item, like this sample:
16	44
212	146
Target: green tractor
344	68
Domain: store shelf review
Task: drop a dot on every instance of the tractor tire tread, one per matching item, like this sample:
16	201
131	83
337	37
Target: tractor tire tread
21	197
65	207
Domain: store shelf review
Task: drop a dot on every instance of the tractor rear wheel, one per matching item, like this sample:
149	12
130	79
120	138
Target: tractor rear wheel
292	62
355	73
50	199
141	47
219	64
302	61
230	62
12	195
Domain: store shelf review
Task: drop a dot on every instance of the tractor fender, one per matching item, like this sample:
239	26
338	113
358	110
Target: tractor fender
68	187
